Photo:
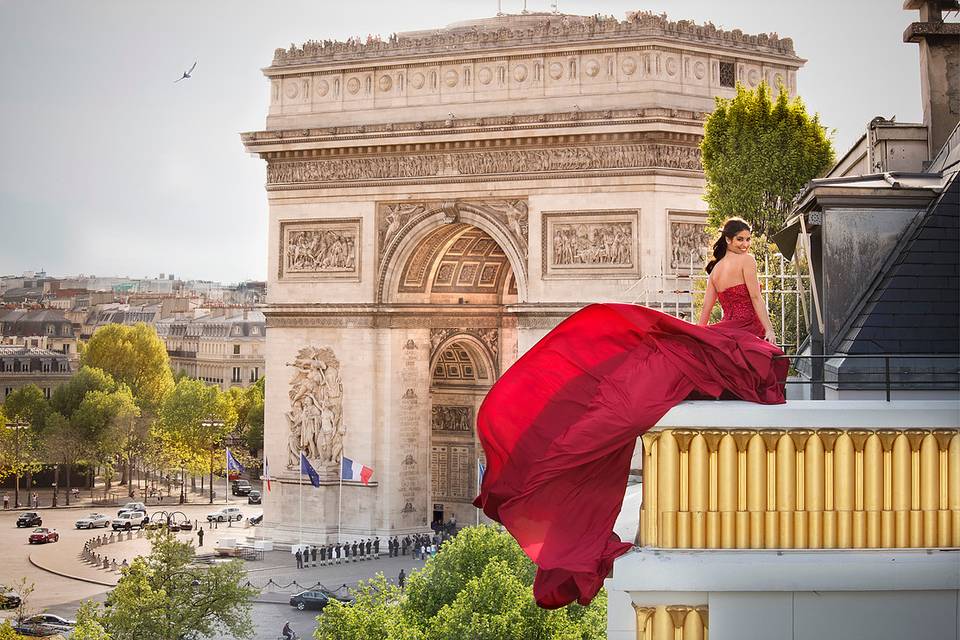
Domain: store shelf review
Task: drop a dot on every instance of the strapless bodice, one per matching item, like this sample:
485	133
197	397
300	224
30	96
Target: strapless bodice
736	304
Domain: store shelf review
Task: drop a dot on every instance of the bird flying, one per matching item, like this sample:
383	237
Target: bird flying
186	74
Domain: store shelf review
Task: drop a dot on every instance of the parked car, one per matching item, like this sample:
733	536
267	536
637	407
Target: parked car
309	600
36	630
93	521
29	519
253	497
9	599
50	621
132	506
42	535
255	520
227	514
129	520
240	487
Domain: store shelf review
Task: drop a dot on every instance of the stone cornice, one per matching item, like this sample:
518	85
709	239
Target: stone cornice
538	30
254	140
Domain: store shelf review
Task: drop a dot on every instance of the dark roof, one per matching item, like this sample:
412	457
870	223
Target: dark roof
914	307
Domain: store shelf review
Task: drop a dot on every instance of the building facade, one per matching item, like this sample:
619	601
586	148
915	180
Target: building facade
440	200
21	366
223	347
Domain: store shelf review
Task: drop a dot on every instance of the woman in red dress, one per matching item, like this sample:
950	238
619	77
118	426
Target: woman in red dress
559	427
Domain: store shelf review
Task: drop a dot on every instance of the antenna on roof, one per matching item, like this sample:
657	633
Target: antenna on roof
525	7
499	7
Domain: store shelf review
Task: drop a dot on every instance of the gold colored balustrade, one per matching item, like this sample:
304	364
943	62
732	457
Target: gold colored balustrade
800	488
672	622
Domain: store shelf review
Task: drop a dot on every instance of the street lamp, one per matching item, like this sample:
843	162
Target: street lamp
211	424
16	426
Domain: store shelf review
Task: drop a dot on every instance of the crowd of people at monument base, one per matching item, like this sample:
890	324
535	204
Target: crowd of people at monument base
420	545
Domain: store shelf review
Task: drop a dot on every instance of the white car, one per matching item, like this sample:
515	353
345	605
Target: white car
227	514
129	520
132	506
48	621
93	521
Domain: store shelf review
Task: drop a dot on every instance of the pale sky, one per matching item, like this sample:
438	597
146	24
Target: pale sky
109	168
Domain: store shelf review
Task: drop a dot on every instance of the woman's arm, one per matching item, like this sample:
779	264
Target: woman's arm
759	305
709	299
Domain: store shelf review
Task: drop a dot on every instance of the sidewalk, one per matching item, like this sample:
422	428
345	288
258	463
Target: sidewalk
99	499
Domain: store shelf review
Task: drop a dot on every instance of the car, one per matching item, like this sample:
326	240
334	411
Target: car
254	497
9	599
36	630
42	535
29	519
309	600
93	521
255	520
227	514
129	520
132	506
50	621
240	487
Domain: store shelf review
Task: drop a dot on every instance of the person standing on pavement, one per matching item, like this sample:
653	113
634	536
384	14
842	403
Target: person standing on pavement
336	550
323	556
200	537
376	549
299	555
353	550
402	578
313	554
369	549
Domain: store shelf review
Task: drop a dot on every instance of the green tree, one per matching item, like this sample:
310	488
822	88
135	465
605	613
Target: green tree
104	418
88	625
26	410
67	397
164	596
194	420
478	586
135	356
758	152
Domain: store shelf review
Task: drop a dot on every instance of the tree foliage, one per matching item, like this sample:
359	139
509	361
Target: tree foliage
478	586
135	356
187	418
165	597
758	152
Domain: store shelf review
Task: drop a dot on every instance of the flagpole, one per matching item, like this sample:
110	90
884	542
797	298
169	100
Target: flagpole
479	480
226	480
340	501
301	499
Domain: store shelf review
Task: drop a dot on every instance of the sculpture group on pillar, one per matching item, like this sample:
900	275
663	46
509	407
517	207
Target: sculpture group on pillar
316	410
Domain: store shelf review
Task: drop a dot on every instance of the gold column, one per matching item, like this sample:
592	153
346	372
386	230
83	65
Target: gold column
699	491
873	464
693	625
728	492
756	489
712	437
678	614
742	438
785	465
683	438
901	491
859	439
643	618
668	489
943	437
649	510
953	482
915	438
771	538
887	518
663	628
845	485
815	489
929	488
800	437
829	438
703	612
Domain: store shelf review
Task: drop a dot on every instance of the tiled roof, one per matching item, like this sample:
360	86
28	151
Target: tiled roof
915	306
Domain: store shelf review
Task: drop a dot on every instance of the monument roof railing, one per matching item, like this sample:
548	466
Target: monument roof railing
502	32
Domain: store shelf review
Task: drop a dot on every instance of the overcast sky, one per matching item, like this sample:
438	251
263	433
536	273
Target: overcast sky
109	168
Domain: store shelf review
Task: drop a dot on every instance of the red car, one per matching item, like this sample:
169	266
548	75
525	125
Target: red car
43	534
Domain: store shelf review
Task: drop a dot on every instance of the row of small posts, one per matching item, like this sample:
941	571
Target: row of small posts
101	560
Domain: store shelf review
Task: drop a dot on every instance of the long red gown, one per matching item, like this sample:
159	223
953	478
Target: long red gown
559	427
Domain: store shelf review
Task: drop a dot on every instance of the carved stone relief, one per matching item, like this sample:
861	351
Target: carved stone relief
590	244
320	249
456	419
315	419
689	242
489	337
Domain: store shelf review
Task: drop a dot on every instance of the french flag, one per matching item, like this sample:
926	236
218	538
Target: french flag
351	470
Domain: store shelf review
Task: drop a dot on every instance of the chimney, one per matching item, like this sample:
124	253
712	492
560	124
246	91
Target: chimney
939	67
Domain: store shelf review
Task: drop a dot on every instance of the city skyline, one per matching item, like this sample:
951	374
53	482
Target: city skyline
172	188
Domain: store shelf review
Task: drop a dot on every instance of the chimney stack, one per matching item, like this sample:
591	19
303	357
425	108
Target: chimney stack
939	67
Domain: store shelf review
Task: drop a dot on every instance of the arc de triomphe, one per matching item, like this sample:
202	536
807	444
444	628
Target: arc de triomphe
438	201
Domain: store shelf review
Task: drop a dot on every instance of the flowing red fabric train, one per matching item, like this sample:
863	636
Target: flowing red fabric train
559	426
